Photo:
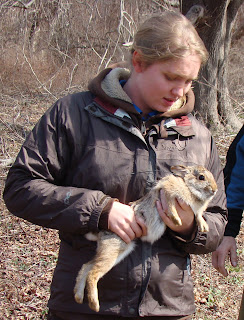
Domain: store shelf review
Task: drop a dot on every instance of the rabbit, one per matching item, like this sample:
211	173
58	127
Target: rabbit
195	185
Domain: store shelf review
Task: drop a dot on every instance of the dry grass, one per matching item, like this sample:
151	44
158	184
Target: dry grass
28	252
27	264
217	297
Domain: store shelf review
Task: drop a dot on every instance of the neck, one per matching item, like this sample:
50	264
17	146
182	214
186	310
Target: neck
133	92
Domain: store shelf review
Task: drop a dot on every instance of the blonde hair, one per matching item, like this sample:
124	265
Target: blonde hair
166	36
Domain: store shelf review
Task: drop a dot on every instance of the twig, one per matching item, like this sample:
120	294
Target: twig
72	74
24	6
208	84
104	55
41	84
6	162
87	38
160	5
14	132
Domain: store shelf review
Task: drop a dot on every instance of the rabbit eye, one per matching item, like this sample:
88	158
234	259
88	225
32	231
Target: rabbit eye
201	177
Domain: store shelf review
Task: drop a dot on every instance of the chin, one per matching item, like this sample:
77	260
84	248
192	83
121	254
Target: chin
162	109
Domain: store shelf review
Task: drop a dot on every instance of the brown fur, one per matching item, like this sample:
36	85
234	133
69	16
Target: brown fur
194	185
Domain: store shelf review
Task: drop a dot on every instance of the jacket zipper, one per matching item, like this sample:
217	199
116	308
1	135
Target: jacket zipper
143	127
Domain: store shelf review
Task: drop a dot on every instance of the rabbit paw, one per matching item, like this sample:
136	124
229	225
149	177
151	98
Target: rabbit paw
79	296
94	304
203	226
176	219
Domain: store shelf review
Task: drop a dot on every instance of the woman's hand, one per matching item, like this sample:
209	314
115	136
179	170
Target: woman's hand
124	223
227	247
185	213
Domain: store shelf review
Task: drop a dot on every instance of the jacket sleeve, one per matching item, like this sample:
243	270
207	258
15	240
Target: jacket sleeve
215	215
235	191
35	188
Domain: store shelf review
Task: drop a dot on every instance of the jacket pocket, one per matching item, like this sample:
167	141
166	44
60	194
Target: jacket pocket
170	283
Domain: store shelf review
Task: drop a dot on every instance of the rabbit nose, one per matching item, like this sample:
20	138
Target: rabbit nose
214	186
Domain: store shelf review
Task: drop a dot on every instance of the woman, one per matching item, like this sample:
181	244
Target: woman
112	143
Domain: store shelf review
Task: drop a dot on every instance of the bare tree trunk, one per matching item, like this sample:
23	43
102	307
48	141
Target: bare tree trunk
213	100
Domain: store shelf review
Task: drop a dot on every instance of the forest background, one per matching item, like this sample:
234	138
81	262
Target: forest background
50	49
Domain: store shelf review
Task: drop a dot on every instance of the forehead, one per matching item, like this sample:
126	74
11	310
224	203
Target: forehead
185	67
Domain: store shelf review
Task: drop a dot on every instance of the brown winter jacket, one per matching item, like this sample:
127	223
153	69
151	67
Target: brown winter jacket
87	149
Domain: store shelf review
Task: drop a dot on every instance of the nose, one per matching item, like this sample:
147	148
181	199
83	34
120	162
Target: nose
178	92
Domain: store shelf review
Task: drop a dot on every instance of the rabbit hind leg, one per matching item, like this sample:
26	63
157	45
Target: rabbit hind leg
81	282
109	254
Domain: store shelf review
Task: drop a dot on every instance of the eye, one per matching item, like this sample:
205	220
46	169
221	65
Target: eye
201	177
169	78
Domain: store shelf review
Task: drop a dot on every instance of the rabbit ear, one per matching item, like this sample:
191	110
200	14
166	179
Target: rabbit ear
179	170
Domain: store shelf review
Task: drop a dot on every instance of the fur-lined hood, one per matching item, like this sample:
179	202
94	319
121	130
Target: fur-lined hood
106	86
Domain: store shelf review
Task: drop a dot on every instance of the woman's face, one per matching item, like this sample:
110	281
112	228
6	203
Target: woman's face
159	85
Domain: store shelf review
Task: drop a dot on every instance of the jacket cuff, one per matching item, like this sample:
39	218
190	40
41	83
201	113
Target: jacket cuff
234	222
103	220
182	238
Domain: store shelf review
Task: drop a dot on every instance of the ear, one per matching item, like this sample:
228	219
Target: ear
137	62
179	170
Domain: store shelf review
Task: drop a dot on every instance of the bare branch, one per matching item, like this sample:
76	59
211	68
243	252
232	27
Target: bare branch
41	84
23	5
10	129
72	75
208	84
160	5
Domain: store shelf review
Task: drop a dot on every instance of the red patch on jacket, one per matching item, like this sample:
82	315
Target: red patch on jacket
106	105
183	121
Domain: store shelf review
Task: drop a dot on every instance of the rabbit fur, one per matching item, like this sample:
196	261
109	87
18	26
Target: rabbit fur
195	185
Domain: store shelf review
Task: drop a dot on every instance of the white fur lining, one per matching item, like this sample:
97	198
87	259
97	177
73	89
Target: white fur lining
111	85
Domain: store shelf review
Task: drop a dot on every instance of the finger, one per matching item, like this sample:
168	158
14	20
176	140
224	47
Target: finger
215	260
130	232
221	264
222	270
124	231
182	204
142	225
124	236
136	229
163	214
233	257
159	207
163	200
218	262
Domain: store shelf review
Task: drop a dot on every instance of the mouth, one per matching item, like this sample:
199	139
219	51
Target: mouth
169	102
